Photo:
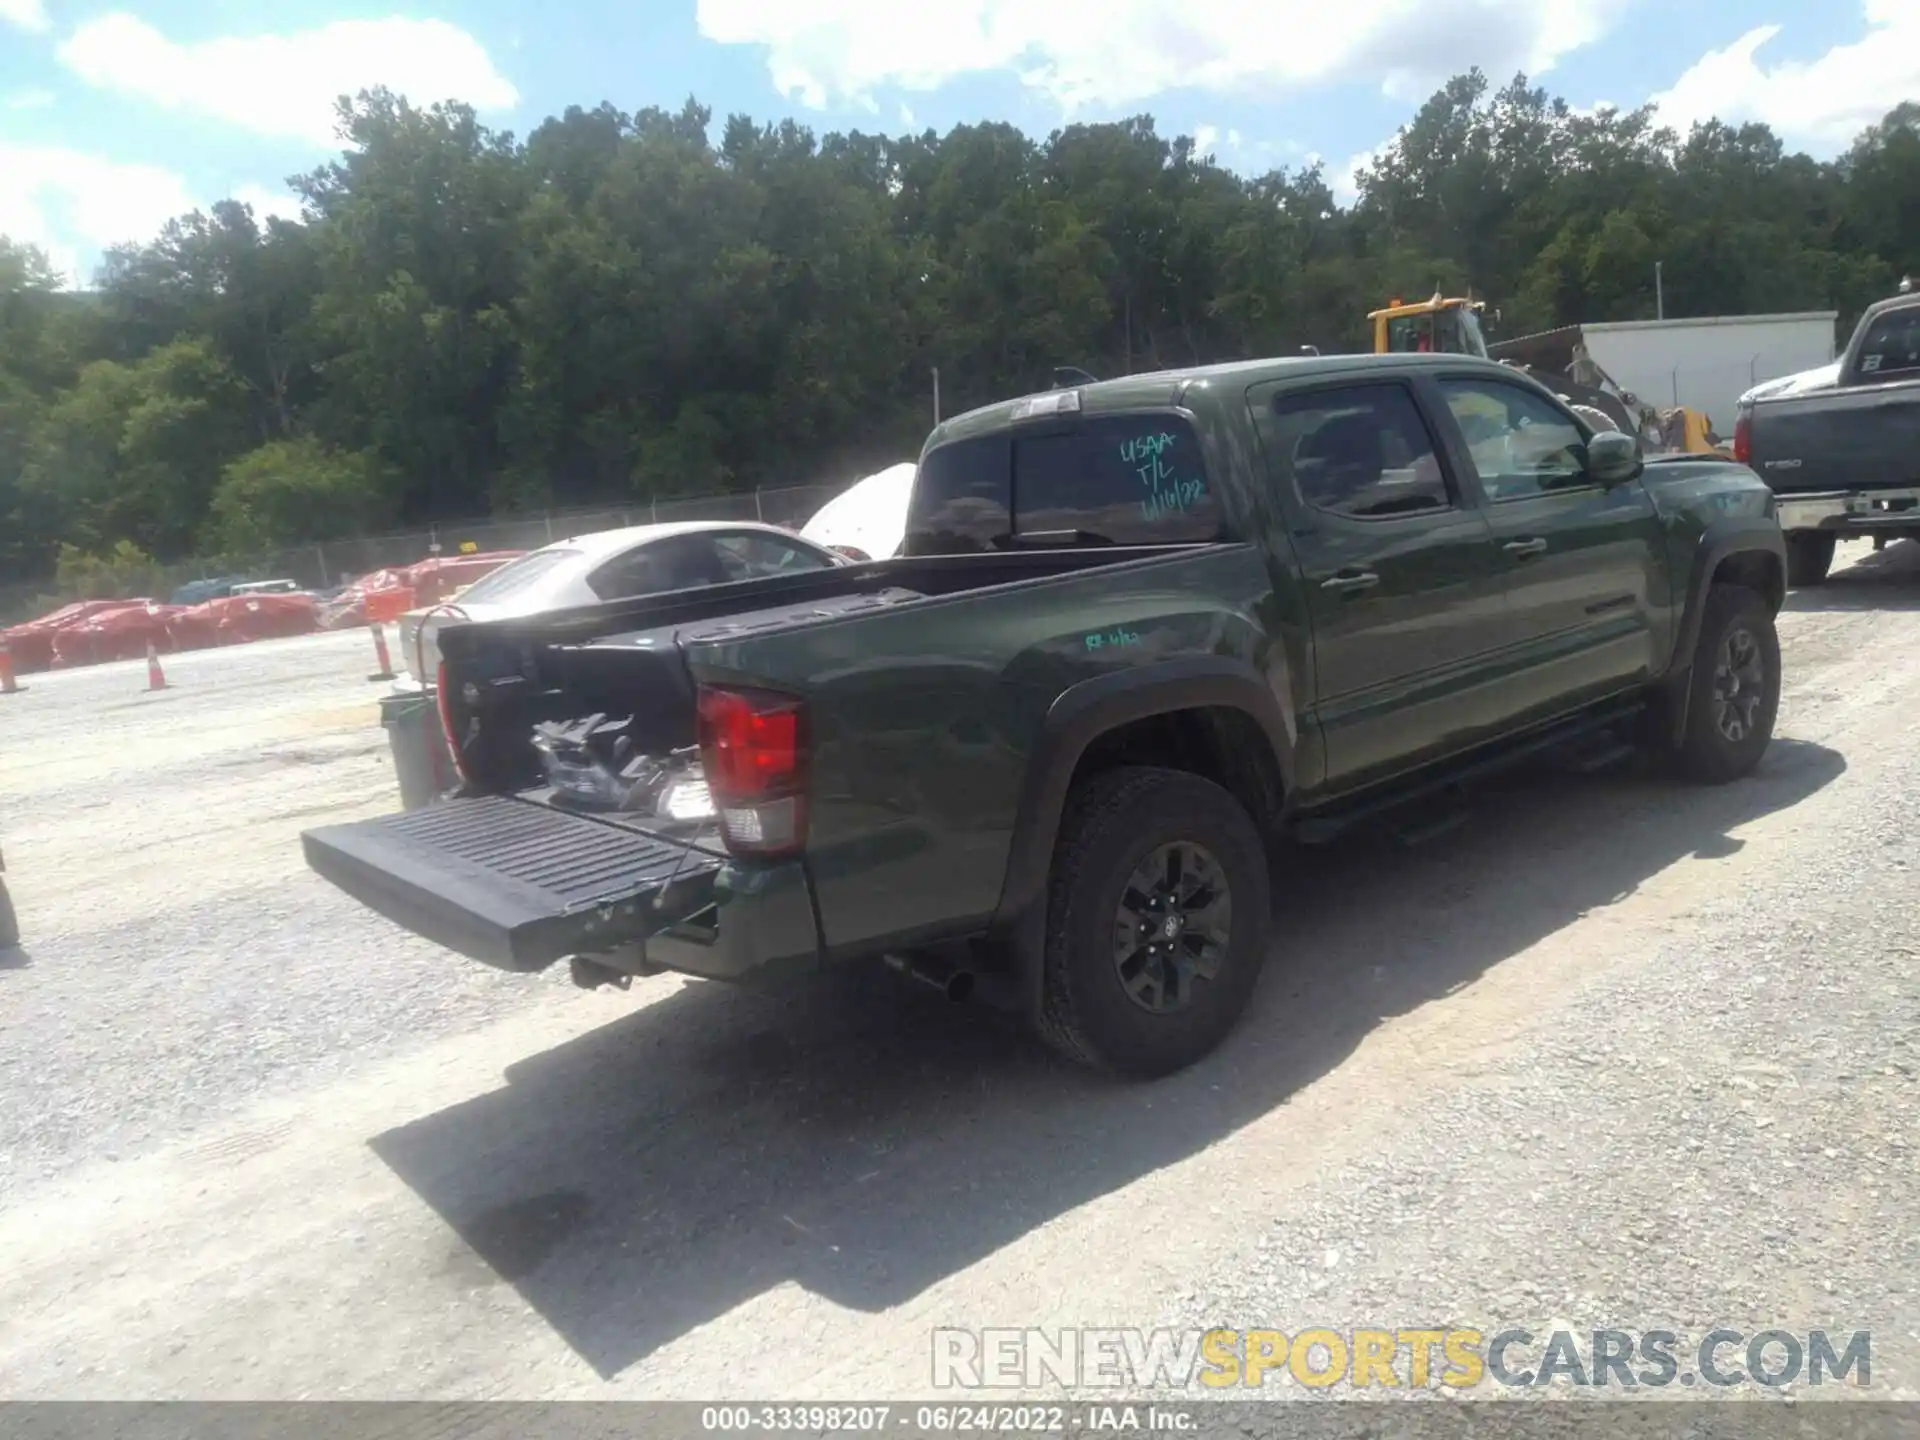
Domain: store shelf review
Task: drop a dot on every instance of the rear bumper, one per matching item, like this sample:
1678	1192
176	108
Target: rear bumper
1864	511
518	885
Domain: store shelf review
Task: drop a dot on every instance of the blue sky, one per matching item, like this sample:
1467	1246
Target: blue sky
115	114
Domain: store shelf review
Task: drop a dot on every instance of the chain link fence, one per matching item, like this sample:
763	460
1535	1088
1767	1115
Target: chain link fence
329	564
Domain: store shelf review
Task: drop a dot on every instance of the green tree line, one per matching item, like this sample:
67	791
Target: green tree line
618	306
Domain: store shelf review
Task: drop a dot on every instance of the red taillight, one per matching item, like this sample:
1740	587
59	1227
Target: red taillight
445	704
753	748
1743	437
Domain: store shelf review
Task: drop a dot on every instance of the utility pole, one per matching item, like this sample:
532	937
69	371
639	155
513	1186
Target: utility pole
1659	290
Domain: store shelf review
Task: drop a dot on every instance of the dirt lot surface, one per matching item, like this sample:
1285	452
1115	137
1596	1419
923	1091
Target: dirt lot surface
1615	1054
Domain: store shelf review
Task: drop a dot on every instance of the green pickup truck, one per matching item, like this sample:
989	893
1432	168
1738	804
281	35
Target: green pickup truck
1138	633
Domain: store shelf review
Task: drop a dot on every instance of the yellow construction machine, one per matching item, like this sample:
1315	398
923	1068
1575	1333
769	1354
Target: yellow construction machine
1558	359
1440	325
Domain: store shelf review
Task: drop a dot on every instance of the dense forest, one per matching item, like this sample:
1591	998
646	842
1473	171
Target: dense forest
615	306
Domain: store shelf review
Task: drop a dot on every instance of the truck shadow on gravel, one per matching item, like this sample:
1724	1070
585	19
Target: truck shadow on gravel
866	1141
1886	579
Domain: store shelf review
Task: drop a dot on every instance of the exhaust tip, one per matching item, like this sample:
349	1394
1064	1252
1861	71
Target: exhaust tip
960	986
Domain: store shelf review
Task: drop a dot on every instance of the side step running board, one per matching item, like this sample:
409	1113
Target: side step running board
1317	828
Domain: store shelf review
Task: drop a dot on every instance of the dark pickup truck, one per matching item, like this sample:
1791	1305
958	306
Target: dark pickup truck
1139	632
1844	460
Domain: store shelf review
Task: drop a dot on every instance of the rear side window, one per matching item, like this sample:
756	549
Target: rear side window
1130	479
962	498
1125	479
1892	348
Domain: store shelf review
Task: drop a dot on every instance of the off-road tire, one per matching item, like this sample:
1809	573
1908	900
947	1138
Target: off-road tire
1114	821
1705	754
1809	556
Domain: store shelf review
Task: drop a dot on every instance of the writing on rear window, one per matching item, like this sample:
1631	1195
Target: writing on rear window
1166	491
1117	479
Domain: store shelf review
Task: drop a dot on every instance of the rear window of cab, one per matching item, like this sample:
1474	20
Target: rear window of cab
1119	479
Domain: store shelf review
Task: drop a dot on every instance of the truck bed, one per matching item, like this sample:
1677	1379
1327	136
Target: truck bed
556	850
629	658
1855	438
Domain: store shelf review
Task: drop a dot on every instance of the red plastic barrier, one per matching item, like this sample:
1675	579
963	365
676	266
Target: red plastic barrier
122	633
387	606
349	607
32	642
240	619
426	582
433	580
192	628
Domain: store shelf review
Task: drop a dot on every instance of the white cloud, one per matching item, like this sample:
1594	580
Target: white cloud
1119	52
75	205
70	203
269	204
906	117
29	100
1821	104
27	14
1344	179
1206	139
286	85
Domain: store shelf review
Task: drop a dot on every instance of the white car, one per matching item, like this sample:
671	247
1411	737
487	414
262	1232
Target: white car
609	565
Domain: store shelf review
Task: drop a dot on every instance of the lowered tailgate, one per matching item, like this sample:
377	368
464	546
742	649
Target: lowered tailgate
513	883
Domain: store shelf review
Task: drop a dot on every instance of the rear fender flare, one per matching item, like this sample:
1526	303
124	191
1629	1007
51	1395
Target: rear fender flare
1079	716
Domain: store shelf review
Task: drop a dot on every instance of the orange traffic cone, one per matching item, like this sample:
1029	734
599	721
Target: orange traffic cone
156	678
385	672
8	686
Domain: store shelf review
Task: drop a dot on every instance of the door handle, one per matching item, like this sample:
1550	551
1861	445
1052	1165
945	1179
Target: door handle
1351	580
1524	548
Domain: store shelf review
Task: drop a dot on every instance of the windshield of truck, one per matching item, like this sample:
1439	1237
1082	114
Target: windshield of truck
1891	350
517	577
1473	340
1410	333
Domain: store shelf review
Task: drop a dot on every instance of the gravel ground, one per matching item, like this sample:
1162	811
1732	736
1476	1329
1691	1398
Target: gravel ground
1617	1054
180	961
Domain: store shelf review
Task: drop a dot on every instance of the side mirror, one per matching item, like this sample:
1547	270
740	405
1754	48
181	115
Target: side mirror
1613	457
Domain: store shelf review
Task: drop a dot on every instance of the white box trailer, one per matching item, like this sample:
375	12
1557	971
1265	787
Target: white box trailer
1705	364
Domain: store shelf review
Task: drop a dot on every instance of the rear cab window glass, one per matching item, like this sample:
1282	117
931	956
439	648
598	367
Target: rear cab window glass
1127	479
1118	479
962	498
1362	451
1891	350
